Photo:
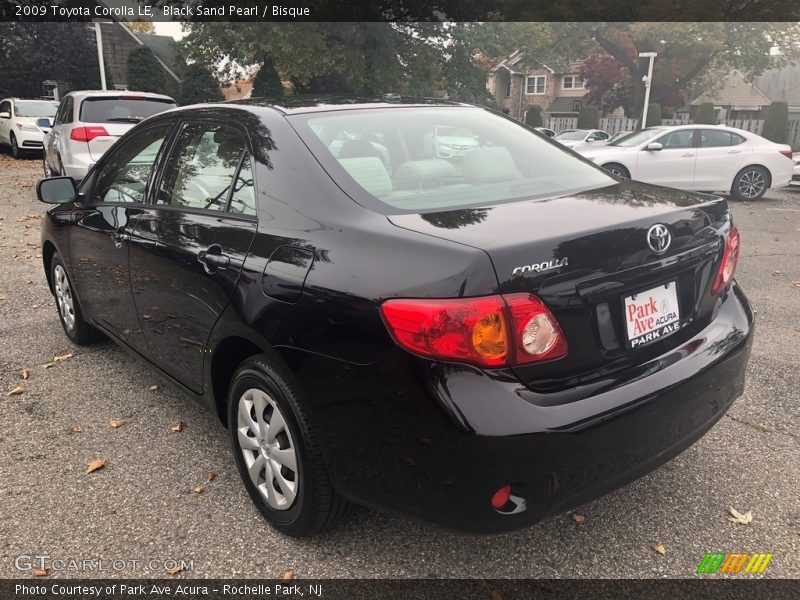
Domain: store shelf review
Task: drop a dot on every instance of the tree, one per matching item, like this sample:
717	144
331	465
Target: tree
705	114
145	73
589	118
776	122
653	115
141	26
534	116
198	85
267	83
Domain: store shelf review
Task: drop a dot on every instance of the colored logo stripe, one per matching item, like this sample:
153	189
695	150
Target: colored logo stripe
733	563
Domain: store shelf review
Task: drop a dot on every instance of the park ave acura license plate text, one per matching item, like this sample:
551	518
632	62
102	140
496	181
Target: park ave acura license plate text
652	314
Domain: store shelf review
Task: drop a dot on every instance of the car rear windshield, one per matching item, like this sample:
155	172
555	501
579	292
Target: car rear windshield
122	109
423	159
35	108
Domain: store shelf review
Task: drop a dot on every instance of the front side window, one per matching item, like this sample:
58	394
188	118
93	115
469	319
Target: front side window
535	84
125	175
5	107
200	173
243	198
440	158
677	140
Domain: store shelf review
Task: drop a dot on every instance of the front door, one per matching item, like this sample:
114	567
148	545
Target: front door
105	235
204	217
673	165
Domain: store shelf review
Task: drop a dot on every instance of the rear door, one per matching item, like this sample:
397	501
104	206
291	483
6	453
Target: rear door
203	216
673	165
720	155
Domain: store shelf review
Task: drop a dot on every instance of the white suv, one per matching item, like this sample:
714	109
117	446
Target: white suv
89	122
18	128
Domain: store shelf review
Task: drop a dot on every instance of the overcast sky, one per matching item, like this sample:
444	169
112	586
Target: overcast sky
171	29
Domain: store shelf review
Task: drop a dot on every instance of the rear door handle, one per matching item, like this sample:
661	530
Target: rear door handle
212	258
687	154
734	151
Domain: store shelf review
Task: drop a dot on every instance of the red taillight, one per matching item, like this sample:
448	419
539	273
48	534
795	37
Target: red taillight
492	331
501	497
85	134
786	153
728	265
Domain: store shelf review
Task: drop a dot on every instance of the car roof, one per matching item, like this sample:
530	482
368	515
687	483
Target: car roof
83	94
307	104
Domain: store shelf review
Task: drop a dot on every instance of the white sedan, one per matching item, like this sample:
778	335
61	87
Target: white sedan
574	138
706	158
796	176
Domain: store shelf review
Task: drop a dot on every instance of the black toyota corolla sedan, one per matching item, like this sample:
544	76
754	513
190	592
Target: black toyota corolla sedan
420	307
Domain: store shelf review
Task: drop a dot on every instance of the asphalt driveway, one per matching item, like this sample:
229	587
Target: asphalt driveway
142	506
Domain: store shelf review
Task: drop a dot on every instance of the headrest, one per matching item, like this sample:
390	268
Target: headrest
486	165
416	174
369	173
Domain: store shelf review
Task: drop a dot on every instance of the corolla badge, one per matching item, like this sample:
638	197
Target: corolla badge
659	238
541	267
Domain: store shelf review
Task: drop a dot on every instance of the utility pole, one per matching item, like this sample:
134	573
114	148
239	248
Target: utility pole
99	37
647	80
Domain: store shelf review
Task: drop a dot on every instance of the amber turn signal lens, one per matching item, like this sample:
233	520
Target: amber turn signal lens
489	336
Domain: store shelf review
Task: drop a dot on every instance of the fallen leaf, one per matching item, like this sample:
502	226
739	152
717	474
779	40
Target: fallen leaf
578	518
153	388
48	365
796	283
659	547
116	423
177	427
175	570
287	575
24	374
37	572
198	489
3	297
497	595
76	429
737	517
210	476
61	357
95	465
17	391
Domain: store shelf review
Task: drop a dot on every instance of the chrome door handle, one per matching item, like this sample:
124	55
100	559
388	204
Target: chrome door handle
734	151
687	154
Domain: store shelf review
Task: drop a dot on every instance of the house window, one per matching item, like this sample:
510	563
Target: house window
572	82
535	84
508	88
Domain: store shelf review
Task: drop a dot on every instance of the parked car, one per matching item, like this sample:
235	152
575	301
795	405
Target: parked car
89	122
578	137
703	158
482	343
18	128
544	130
796	172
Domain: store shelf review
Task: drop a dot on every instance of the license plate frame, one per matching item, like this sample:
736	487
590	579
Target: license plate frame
640	332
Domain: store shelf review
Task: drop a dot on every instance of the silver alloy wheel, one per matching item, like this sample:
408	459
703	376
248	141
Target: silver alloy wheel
751	184
268	449
48	172
618	172
66	305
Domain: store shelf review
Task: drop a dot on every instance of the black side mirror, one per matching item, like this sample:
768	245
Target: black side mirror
44	123
56	190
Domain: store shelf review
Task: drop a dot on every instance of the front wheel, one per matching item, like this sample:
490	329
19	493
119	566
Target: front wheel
750	183
48	172
15	151
617	170
276	451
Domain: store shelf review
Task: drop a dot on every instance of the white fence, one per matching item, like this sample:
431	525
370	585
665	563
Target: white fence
615	125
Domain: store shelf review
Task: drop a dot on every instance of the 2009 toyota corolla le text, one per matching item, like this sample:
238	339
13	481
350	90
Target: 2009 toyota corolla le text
349	301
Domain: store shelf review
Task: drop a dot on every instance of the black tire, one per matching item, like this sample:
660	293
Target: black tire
16	152
79	332
751	183
316	505
48	171
618	170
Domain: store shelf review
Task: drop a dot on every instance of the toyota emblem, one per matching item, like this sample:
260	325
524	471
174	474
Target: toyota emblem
659	238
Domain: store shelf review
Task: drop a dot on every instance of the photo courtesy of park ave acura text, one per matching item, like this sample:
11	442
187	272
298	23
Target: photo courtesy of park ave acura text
435	300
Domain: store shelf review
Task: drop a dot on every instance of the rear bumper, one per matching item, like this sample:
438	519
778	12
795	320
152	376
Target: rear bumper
436	441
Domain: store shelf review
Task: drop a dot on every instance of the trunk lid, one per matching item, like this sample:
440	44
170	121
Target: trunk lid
584	254
100	145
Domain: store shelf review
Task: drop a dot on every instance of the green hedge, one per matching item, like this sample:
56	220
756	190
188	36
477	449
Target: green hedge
145	74
589	118
534	117
653	115
705	114
198	85
776	122
267	83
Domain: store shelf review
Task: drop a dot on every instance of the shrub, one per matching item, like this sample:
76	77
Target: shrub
198	85
653	115
533	118
144	71
589	118
705	114
776	122
267	83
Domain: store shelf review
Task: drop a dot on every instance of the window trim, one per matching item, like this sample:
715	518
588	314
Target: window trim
181	125
535	85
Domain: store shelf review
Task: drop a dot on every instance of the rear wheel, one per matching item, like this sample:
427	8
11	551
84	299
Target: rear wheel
276	451
618	170
750	183
69	309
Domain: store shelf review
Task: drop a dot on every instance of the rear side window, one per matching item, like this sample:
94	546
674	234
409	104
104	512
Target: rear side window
417	159
713	138
109	109
202	170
